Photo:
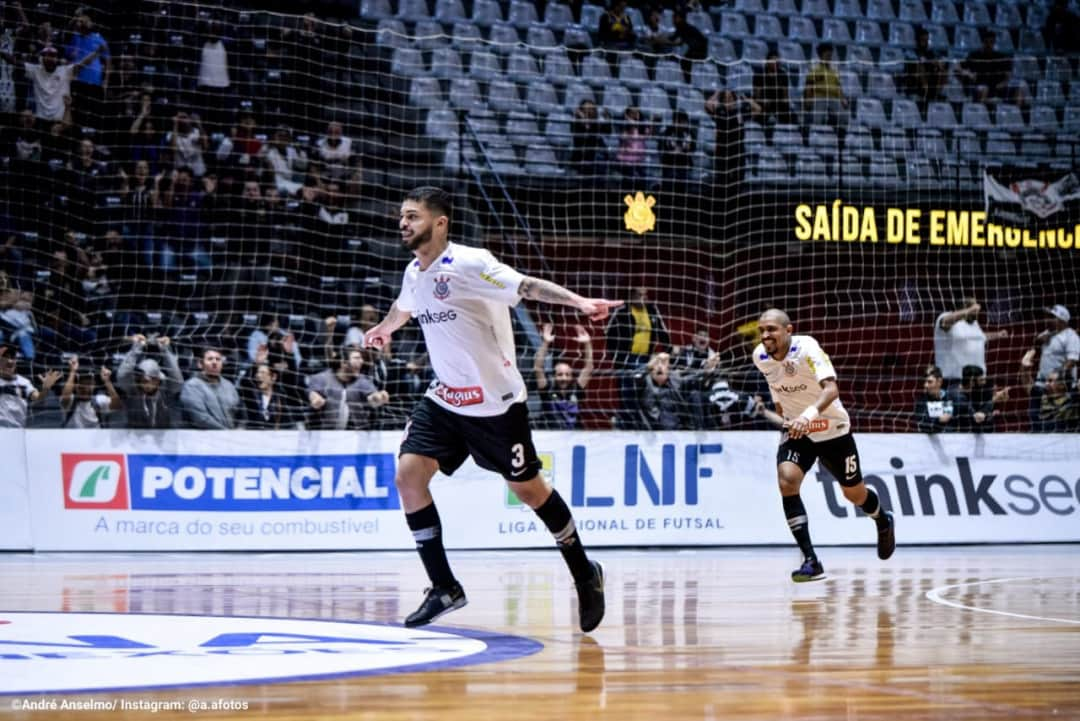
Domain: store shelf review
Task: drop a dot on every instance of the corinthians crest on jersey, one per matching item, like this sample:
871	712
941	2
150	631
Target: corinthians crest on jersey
442	287
795	384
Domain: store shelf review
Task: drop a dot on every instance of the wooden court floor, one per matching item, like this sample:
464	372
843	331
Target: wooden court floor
957	633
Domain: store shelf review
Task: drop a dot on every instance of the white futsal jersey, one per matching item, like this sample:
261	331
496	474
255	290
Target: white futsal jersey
462	304
795	384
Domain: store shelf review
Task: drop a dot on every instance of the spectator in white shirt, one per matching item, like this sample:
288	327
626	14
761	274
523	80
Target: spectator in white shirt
52	83
1059	345
959	341
287	162
82	407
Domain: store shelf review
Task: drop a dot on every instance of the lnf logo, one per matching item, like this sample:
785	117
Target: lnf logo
94	480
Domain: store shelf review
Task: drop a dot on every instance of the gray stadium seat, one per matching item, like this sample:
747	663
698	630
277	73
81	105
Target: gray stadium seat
504	38
905	113
426	93
540	160
869	112
595	71
408	63
558	129
881	10
521	128
690	101
835	31
913	11
976	13
943	12
441	124
616	99
891	59
430	35
522	14
706	78
966	144
883	171
768	27
750	6
1035	145
1031	41
791	52
771	167
894	142
576	36
558	16
391	34
503	96
590	16
920	173
816	8
721	49
783	8
668	73
939	37
787	136
447	63
576	92
540	39
466	36
465	95
859	141
1000	145
484	65
1048	92
733	25
801	28
558	69
521	66
940	115
966	39
931	143
541	97
851	9
413	10
449	11
811	167
375	9
850	84
754	50
822	139
975	116
901	35
487	12
868	32
1007	15
1044	119
632	72
740	78
1008	117
880	85
655	103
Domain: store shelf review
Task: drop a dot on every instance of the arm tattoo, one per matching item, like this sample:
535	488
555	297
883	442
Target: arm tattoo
545	290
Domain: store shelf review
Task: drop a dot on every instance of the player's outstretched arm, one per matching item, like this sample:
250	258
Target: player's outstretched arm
548	292
379	335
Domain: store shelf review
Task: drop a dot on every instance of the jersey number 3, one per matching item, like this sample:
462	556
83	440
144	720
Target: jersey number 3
517	460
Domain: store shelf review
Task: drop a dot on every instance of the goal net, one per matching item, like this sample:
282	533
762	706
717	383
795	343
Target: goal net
238	170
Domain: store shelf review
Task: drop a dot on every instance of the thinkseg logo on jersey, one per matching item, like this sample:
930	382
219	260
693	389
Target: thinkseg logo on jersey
94	480
442	287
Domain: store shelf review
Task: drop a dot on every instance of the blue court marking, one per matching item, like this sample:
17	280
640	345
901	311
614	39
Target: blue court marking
499	647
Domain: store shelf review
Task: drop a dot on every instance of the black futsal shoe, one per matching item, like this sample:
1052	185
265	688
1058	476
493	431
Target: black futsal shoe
886	536
437	601
811	570
590	596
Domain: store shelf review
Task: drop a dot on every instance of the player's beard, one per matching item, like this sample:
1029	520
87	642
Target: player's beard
417	240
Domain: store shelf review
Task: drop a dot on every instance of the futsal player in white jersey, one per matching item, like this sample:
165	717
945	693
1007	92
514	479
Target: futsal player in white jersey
816	428
476	406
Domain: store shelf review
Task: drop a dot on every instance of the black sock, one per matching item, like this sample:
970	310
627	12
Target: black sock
556	516
800	529
427	531
872	507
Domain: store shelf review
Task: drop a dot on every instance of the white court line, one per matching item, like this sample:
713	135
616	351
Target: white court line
935	596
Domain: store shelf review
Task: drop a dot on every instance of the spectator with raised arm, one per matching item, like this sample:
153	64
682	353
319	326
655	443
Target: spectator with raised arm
92	81
562	396
1059	345
1055	402
82	407
959	340
17	393
343	398
150	393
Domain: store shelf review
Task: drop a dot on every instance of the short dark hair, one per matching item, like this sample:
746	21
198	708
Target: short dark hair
934	371
436	199
970	373
824	48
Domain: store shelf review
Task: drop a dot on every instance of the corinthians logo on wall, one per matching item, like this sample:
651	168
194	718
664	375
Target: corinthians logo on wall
70	652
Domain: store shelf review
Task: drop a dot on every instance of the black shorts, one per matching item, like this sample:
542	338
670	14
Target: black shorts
839	456
498	443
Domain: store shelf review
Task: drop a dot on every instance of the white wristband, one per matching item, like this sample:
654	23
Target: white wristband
810	413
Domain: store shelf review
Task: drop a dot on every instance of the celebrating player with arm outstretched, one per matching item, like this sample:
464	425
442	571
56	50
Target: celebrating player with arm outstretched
476	406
